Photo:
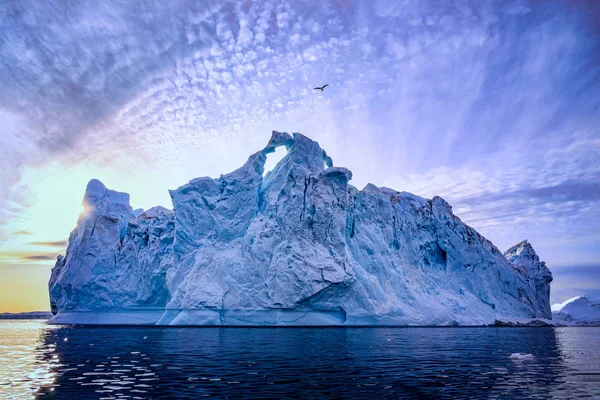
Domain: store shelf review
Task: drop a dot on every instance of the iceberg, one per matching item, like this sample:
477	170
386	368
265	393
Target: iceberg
577	311
297	245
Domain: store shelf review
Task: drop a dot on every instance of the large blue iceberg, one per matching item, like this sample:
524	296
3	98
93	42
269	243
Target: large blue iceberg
295	246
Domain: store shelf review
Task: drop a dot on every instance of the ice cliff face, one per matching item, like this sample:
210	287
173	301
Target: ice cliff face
297	246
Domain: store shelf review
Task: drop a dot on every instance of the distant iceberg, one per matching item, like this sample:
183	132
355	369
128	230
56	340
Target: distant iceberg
577	311
297	246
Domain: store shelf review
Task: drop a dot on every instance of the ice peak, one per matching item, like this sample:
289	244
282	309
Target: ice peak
100	201
278	139
523	255
370	188
94	190
156	211
517	249
308	152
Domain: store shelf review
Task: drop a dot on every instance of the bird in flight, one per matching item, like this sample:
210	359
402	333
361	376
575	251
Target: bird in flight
321	87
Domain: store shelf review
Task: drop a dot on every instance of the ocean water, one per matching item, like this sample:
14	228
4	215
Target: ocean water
42	361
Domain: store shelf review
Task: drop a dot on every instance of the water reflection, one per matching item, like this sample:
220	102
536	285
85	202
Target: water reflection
90	363
27	361
579	350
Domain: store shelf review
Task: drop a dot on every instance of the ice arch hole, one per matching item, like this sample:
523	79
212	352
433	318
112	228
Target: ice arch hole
274	158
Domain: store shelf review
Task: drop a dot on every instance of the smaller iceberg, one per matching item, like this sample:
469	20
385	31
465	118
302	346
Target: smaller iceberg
578	310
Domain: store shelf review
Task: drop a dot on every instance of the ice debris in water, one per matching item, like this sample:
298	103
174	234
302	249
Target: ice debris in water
521	356
297	246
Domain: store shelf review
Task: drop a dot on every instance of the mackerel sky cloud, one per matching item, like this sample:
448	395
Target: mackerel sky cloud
493	105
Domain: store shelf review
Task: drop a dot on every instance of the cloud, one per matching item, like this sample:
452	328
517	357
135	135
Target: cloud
545	193
563	192
40	257
59	243
24	256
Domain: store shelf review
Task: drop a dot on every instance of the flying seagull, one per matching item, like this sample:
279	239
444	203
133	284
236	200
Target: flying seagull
321	87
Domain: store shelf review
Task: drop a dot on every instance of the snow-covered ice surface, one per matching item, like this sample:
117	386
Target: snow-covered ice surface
577	311
297	246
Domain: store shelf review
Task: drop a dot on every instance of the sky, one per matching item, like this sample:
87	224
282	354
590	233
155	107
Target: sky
493	105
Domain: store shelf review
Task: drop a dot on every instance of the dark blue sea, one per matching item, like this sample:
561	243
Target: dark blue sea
42	361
